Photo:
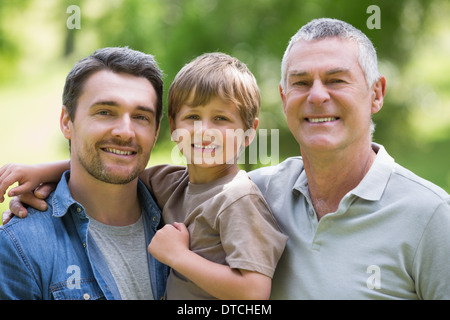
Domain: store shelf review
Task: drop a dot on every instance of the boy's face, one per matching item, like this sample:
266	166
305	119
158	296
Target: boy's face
211	134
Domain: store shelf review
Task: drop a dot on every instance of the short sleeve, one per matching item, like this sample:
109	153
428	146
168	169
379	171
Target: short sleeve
162	180
432	258
250	235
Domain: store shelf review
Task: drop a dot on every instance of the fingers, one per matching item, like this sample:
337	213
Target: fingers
44	190
31	200
12	173
16	208
21	189
6	216
6	180
180	226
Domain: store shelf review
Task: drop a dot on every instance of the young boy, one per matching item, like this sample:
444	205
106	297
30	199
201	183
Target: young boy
228	243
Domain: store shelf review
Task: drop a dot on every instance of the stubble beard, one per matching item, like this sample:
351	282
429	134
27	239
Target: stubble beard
93	164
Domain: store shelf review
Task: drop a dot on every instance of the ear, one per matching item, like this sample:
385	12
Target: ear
249	139
283	98
379	91
171	124
66	124
156	135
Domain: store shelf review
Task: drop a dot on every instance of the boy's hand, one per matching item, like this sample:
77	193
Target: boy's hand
17	205
6	216
21	173
169	243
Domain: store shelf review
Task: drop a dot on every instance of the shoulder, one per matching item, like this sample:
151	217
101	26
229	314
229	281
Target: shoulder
33	226
163	176
416	200
241	185
30	239
417	187
163	172
242	195
162	180
283	174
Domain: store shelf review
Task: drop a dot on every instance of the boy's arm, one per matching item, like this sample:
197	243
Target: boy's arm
170	245
30	191
29	177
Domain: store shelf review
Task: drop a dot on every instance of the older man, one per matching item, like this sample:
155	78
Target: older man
360	226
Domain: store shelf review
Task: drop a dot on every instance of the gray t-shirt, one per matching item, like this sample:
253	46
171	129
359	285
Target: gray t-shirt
125	251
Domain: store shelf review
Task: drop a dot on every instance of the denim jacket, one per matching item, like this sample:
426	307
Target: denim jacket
50	255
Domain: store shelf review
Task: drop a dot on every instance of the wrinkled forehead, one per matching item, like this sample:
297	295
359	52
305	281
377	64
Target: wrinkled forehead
327	54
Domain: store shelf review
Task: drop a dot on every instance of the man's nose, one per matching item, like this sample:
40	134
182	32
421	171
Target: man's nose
124	128
318	93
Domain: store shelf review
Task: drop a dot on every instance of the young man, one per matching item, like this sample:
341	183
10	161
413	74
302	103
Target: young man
91	241
360	226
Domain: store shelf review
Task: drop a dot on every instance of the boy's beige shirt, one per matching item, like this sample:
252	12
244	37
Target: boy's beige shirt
228	220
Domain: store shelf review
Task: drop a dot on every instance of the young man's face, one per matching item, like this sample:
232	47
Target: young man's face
327	103
211	134
114	127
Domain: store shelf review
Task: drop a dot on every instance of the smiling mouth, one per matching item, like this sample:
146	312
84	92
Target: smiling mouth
320	120
119	152
208	147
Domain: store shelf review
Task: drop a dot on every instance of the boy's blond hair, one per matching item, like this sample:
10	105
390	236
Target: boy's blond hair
216	75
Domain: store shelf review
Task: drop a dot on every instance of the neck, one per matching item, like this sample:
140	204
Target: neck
112	204
331	177
202	175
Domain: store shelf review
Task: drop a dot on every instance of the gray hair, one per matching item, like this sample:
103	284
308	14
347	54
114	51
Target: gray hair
327	28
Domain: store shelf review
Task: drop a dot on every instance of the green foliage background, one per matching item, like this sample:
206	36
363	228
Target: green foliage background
37	50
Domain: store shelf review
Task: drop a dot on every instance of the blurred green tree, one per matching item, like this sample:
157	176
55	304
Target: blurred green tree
255	31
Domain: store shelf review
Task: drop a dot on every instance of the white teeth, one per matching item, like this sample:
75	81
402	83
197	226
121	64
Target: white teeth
115	151
321	119
204	147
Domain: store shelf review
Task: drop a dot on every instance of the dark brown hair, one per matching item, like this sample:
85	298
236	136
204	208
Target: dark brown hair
119	60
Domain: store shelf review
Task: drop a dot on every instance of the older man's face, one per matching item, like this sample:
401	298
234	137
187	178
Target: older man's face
327	102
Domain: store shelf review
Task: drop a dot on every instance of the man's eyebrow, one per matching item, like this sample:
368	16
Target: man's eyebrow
337	70
105	103
299	73
146	109
115	104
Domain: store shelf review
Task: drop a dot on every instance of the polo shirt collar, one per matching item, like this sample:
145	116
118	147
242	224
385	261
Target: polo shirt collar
375	181
372	185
